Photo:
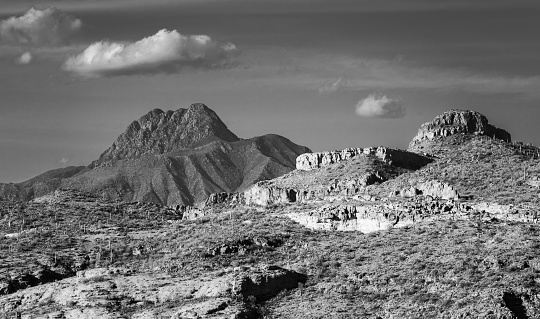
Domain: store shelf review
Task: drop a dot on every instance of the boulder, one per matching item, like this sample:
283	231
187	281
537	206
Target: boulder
264	283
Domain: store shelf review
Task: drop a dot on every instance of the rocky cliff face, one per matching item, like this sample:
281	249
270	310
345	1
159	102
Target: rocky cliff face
455	122
160	132
396	157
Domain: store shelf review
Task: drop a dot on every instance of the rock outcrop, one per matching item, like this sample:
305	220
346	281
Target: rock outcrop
265	193
434	189
374	216
101	292
458	122
396	157
367	217
224	199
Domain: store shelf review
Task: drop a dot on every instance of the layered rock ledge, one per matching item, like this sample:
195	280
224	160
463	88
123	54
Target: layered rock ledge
396	157
458	122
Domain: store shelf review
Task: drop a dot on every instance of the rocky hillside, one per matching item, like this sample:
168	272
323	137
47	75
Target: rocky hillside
447	229
172	158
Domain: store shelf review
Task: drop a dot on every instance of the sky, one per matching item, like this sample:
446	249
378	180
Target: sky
327	74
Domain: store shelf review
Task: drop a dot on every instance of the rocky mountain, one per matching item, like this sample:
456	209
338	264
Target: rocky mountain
172	158
160	132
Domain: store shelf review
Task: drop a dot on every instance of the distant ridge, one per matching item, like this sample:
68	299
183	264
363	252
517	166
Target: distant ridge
171	157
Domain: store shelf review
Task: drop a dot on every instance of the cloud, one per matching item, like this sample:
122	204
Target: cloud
330	88
25	58
365	74
166	51
48	27
380	106
64	161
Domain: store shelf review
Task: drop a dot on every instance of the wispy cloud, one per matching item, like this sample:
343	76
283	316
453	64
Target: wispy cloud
166	51
331	87
47	27
25	58
380	106
378	75
64	161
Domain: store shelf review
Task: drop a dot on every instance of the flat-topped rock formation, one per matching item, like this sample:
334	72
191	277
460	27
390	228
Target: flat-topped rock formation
458	122
396	157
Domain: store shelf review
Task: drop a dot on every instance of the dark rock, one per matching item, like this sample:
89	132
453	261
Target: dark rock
266	283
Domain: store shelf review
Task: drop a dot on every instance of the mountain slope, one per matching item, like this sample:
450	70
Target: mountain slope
173	158
189	176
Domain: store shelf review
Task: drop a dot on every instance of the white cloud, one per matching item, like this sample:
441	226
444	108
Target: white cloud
166	51
380	106
48	27
64	161
25	58
331	88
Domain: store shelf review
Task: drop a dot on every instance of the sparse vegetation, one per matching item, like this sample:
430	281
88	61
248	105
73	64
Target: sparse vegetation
467	267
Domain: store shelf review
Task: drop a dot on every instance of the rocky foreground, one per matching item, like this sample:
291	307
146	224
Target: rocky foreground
446	229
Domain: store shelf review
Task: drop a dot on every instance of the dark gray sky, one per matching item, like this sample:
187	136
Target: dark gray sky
326	74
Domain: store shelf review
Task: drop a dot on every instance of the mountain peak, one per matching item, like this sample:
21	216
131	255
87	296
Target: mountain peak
457	122
159	132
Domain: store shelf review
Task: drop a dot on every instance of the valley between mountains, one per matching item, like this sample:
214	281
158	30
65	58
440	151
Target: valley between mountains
180	218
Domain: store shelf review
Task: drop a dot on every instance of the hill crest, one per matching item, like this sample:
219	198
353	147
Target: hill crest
456	122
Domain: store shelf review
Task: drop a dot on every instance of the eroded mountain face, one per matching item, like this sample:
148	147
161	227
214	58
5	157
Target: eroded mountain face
160	132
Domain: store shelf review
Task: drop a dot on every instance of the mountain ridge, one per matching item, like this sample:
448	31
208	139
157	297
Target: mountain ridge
172	158
159	132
